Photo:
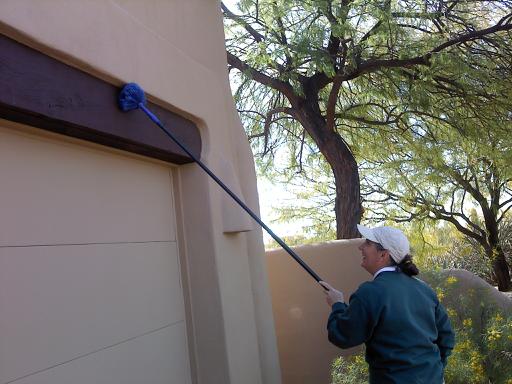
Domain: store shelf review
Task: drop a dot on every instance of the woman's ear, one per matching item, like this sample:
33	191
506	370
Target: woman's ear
385	254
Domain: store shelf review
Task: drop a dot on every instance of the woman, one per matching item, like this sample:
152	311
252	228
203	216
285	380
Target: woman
406	330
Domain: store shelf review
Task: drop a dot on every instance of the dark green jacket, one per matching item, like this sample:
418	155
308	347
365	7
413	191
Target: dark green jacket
406	330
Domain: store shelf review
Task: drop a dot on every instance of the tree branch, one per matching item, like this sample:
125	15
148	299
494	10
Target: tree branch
268	122
501	26
371	65
503	214
509	201
282	36
238	19
481	239
331	102
279	85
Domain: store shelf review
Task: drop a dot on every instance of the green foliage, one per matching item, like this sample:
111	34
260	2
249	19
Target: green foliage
350	370
451	163
466	253
288	40
428	119
438	245
498	349
483	329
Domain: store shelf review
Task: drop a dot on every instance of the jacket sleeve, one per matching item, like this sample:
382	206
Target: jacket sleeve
445	335
350	325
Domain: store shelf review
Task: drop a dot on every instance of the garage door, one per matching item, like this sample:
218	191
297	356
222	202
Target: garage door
90	286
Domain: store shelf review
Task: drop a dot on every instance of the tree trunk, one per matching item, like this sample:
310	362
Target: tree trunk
347	205
493	247
501	269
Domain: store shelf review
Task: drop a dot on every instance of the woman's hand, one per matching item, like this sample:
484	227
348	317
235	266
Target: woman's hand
332	295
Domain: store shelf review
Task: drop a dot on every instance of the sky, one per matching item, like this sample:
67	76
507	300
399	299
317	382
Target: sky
271	196
231	4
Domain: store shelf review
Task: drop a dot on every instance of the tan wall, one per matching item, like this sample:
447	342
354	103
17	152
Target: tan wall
175	50
300	310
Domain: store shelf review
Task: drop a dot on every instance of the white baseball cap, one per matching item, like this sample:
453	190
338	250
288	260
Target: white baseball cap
390	238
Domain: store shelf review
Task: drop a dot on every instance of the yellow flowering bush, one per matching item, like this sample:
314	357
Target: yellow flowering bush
466	364
350	370
498	347
483	332
467	323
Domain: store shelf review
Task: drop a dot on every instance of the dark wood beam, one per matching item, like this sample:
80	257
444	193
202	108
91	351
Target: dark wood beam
40	91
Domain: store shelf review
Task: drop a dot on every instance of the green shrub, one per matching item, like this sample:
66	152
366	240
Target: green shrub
466	364
498	349
483	329
350	370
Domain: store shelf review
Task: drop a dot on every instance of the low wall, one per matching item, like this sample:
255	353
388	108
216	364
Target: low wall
300	310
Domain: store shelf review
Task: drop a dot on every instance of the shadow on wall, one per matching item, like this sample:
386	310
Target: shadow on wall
300	310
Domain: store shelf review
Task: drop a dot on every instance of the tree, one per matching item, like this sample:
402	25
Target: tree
303	66
466	253
452	185
452	162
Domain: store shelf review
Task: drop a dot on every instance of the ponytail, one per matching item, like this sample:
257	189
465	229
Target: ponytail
408	267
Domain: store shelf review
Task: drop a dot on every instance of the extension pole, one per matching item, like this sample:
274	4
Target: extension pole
156	120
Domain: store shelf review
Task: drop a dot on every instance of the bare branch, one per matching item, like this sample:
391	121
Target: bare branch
301	150
281	37
369	122
255	34
270	114
451	219
509	201
503	214
279	85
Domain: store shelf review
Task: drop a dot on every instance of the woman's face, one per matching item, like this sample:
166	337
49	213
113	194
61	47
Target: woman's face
373	258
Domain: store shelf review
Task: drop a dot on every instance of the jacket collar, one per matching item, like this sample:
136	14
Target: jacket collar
385	269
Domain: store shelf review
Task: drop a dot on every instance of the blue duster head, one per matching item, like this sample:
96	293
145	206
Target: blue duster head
130	97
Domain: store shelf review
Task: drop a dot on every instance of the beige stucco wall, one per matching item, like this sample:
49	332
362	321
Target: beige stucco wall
300	309
174	50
